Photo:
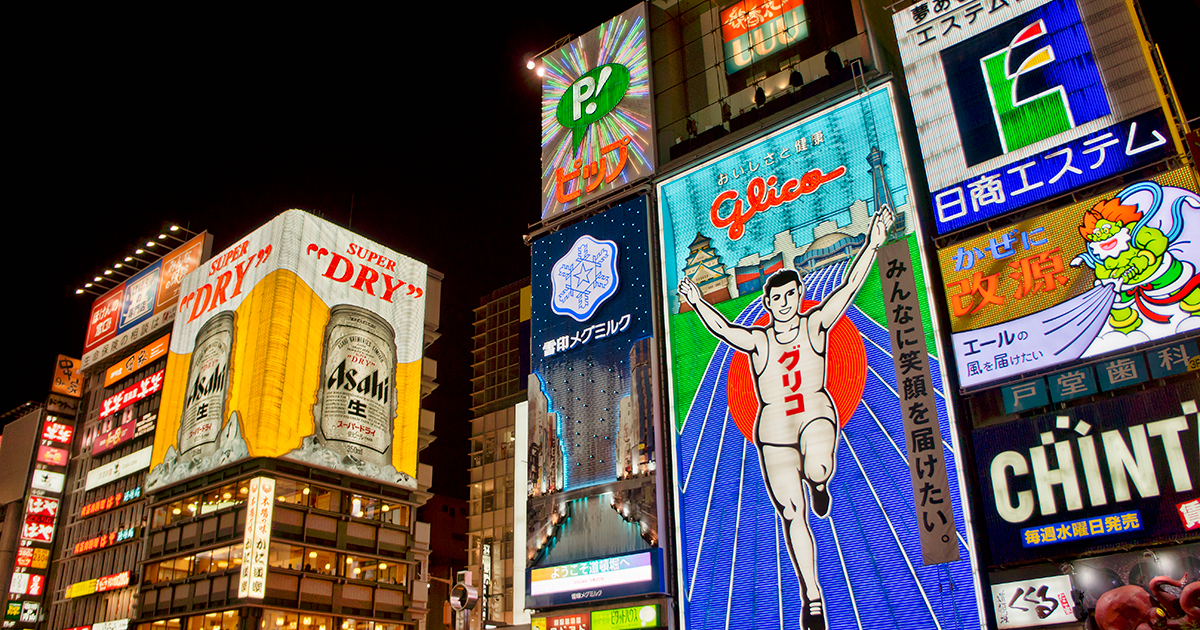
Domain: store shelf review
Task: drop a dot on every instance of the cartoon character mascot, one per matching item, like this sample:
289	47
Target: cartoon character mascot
1145	243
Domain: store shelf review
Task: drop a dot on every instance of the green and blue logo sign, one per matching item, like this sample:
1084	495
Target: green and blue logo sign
1024	81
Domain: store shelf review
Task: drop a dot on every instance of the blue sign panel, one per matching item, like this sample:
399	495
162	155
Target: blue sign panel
1085	160
1109	473
1025	396
1056	533
592	467
1122	372
763	541
1072	384
141	291
1176	358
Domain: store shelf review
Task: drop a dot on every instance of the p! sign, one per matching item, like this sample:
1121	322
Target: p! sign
596	128
590	98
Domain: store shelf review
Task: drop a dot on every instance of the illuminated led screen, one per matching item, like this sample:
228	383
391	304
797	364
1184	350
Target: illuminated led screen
1041	293
596	129
1018	103
302	341
802	198
592	464
1128	476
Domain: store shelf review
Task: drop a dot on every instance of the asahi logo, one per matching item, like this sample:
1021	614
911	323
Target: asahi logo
347	378
205	386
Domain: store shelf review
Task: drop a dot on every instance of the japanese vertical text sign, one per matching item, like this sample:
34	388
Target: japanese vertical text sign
592	455
141	304
1108	474
779	343
260	506
1107	273
596	114
301	341
926	457
1016	103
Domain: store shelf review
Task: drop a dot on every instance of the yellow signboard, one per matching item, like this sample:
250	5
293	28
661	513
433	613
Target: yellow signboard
301	341
1103	274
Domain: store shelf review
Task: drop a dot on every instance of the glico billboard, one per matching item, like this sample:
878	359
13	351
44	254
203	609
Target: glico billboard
302	341
592	507
805	376
1107	273
141	304
596	124
1016	103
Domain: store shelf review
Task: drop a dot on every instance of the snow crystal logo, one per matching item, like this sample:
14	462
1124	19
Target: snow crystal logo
584	278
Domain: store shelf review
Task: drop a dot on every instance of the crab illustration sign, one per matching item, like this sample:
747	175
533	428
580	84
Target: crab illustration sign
1104	274
596	127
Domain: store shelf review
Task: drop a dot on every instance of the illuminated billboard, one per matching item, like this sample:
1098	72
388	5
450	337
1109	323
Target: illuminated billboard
1109	474
782	335
755	29
67	380
597	134
1107	273
142	303
302	341
1019	103
592	456
136	361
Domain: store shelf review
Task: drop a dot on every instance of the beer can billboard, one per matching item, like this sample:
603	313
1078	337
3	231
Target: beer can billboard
799	217
1108	273
1018	103
301	341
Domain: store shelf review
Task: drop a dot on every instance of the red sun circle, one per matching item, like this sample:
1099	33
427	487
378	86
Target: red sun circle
845	375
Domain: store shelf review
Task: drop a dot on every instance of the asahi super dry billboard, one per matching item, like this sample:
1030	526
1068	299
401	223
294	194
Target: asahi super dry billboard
302	341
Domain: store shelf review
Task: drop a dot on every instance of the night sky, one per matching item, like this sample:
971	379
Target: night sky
417	128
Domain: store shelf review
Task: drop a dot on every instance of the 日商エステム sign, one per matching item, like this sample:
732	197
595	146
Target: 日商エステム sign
1016	103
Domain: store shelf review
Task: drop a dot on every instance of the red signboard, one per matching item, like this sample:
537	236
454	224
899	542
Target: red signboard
105	540
53	456
36	529
1189	512
107	440
102	324
132	394
112	582
58	432
42	506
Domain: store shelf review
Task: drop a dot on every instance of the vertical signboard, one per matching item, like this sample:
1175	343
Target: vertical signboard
67	380
793	474
1016	103
303	341
915	392
1108	273
596	118
593	466
260	506
37	529
139	305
